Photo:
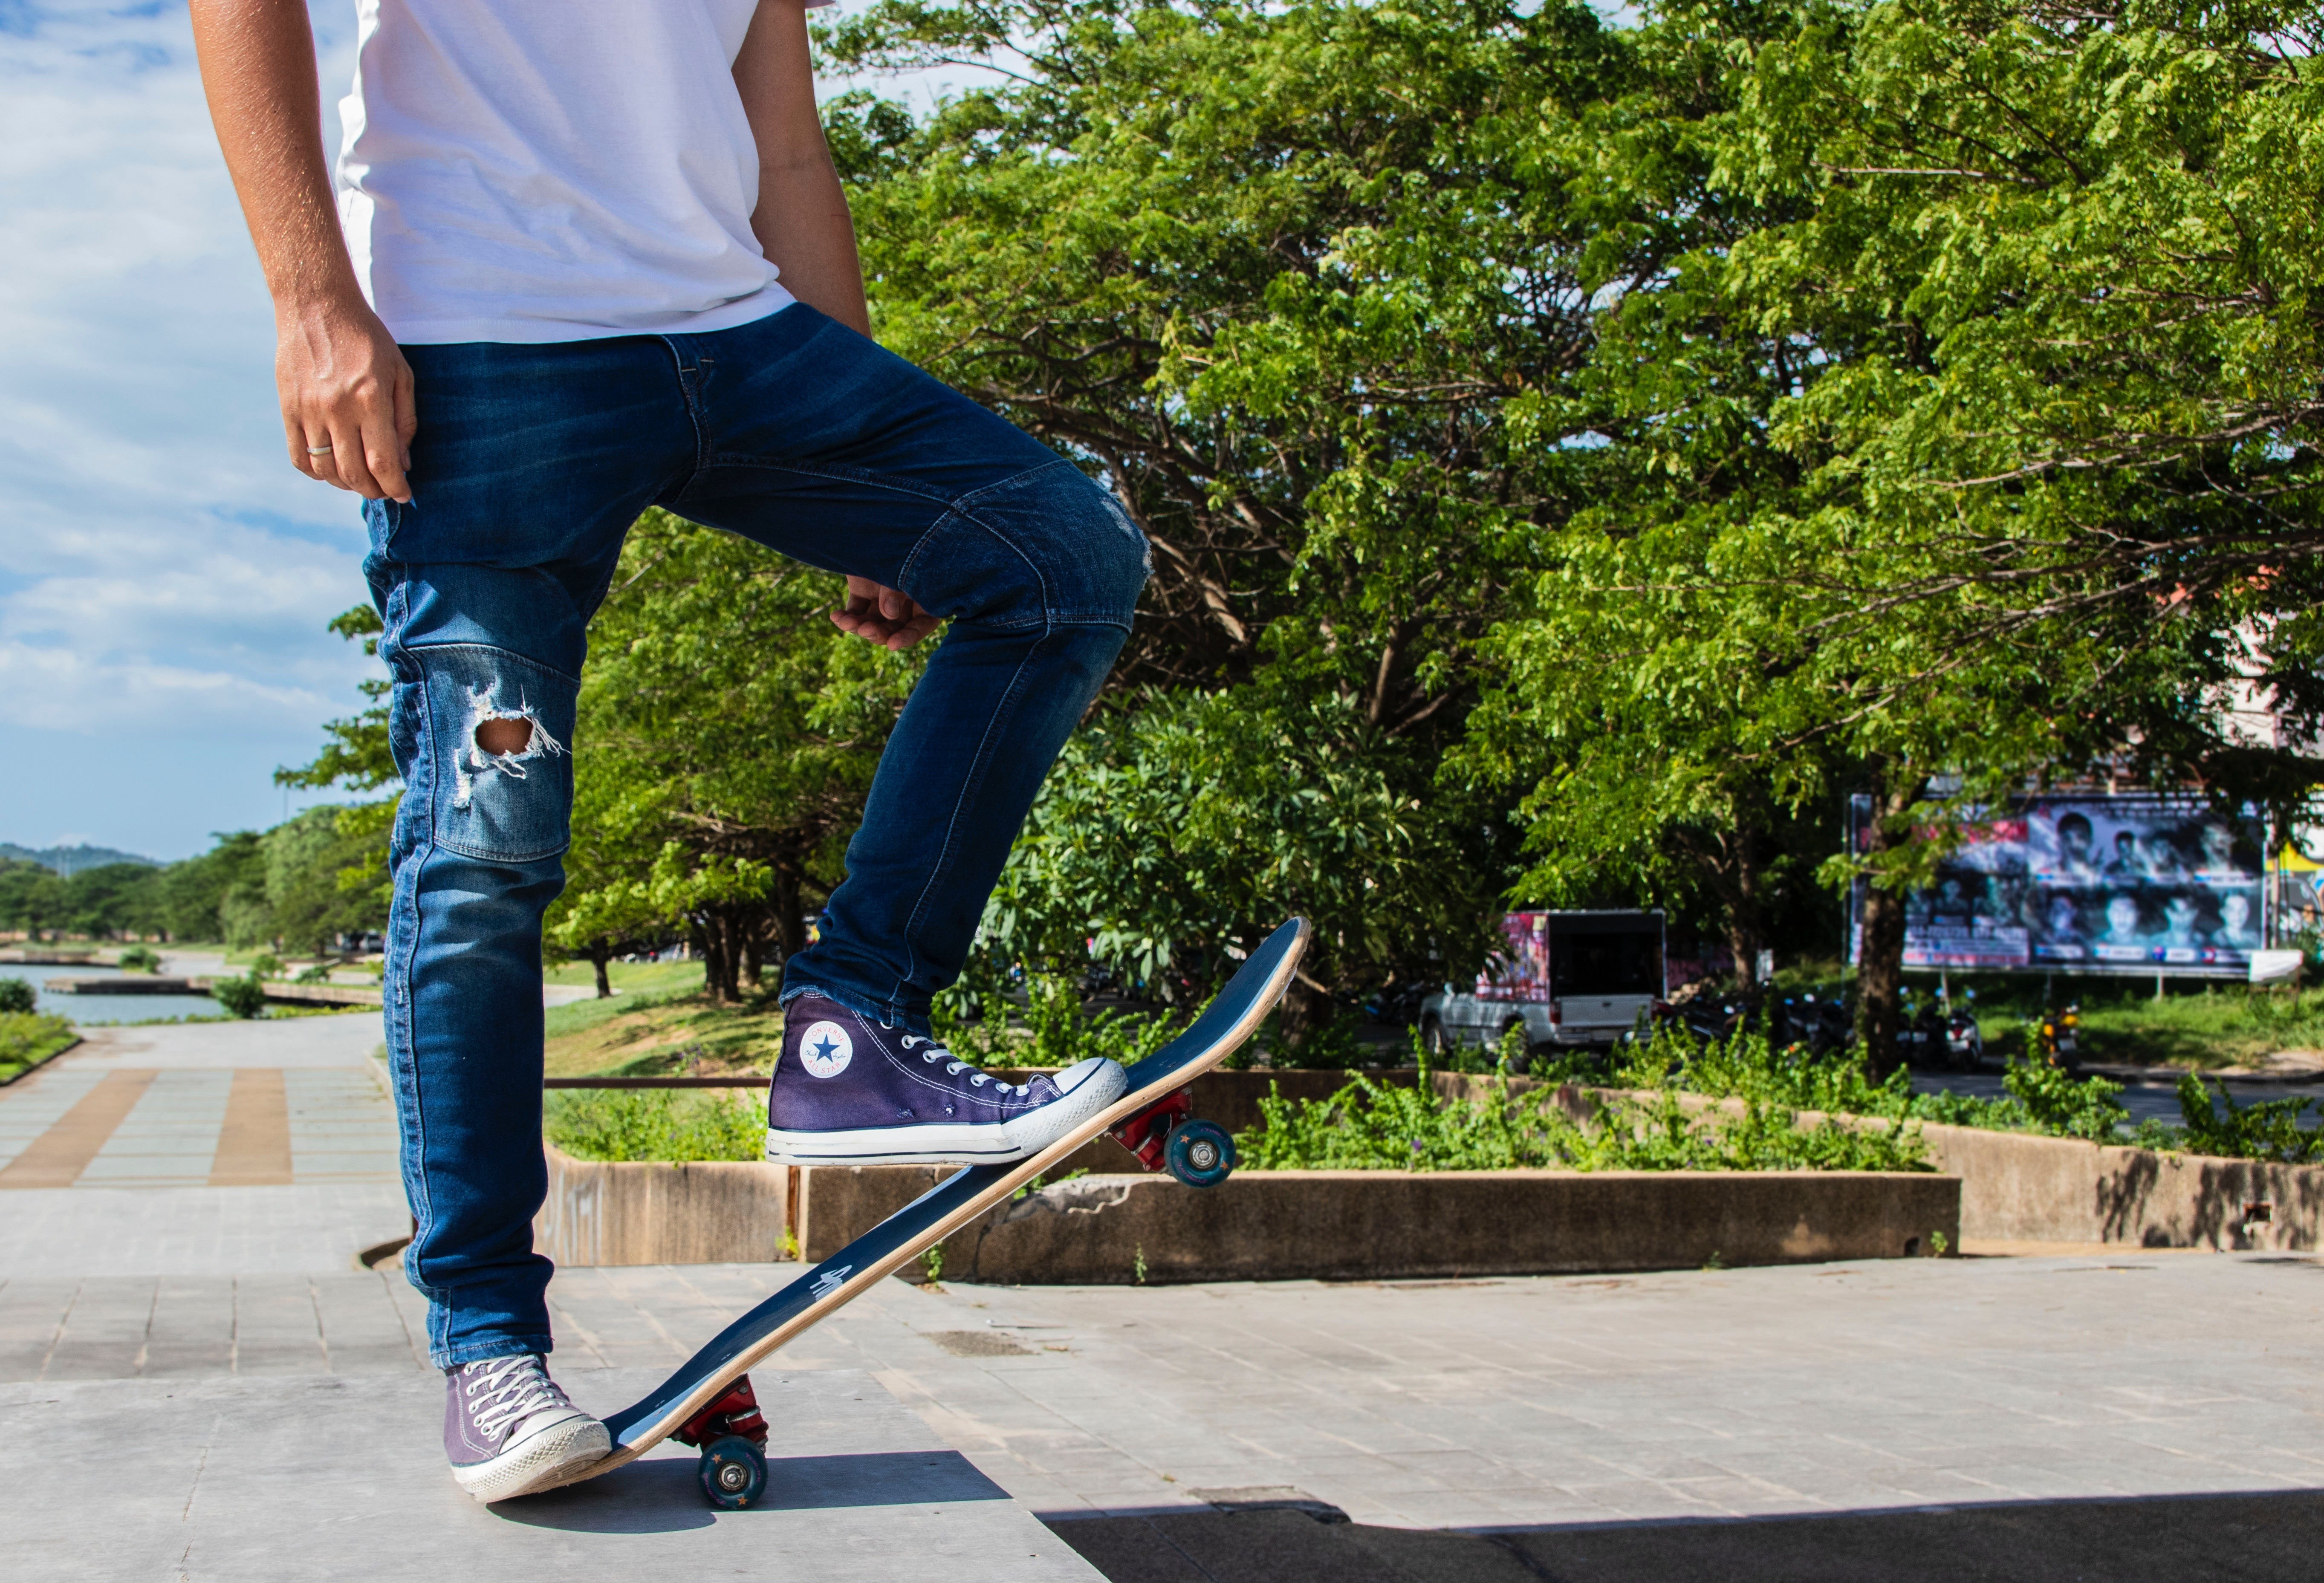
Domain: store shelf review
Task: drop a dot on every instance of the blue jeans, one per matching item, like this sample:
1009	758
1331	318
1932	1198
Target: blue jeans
530	463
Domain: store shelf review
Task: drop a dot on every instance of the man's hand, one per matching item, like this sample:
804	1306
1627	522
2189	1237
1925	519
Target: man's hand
344	385
882	615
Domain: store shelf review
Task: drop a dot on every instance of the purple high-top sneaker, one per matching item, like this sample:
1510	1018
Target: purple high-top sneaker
509	1429
848	1091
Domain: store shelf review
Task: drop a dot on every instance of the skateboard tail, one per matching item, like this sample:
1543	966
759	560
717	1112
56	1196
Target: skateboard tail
1230	1019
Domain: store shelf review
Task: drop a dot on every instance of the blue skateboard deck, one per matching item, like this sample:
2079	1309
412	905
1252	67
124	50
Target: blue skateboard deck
709	1375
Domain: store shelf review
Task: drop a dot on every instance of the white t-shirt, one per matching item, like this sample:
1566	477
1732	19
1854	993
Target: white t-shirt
540	170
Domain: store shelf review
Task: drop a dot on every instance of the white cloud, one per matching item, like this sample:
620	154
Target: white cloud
162	570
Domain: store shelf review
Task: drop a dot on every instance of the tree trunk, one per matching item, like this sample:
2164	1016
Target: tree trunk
790	929
750	938
717	959
598	957
1880	955
1744	931
730	958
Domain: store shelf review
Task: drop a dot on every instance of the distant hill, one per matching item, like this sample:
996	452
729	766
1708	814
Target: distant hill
69	861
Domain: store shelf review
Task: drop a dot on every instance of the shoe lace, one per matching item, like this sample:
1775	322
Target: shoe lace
954	1066
511	1388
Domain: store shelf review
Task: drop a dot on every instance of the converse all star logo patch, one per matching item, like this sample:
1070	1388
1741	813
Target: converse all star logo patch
825	1050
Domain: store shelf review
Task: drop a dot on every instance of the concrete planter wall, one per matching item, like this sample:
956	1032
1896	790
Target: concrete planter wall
2019	1188
1285	1224
703	1212
1995	1186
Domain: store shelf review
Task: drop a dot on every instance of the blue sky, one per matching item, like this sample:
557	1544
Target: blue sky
164	575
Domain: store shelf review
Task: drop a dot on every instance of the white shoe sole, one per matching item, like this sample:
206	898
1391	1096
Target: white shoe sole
542	1460
955	1142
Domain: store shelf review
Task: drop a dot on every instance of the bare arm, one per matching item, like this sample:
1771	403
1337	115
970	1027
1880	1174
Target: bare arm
801	221
802	224
342	382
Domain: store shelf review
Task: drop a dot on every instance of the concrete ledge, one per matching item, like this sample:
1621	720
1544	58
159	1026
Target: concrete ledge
703	1212
2011	1188
285	993
128	984
1286	1224
2016	1187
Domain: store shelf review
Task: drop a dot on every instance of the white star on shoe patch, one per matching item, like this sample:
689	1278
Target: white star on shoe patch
827	1050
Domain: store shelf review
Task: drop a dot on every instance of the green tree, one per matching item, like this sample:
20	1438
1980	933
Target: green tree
193	894
1849	544
357	756
33	898
727	733
1173	836
114	898
306	859
1292	281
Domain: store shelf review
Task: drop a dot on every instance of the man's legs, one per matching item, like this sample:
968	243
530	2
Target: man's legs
529	464
818	443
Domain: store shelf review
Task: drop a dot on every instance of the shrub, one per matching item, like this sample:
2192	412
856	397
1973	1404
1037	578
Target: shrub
243	997
27	1039
17	995
655	1124
1750	1066
266	965
1058	1030
2043	1098
1368	1126
2063	1106
2269	1130
139	959
319	973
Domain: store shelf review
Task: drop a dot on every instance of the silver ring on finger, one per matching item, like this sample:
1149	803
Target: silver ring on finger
319	450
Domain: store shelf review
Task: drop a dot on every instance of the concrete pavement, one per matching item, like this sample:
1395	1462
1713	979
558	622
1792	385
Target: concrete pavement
2158	1417
203	1384
211	1357
342	1476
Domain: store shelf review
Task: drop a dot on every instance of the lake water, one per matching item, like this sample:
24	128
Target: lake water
90	1009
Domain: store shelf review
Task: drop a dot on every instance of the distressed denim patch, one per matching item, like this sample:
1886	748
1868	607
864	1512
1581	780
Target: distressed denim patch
513	806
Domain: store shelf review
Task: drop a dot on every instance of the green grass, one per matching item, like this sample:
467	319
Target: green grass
2204	1025
654	1124
657	1035
27	1038
630	978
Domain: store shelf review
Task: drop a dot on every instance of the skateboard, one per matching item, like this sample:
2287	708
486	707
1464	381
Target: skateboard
708	1403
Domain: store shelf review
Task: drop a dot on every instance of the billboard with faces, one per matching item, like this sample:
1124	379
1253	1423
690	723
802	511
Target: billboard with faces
2097	884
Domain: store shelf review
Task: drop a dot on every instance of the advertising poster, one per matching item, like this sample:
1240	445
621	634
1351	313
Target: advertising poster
2097	884
1519	969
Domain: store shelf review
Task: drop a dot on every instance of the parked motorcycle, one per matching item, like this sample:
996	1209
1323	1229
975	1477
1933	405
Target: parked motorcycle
1824	1023
1964	1040
2061	1037
1920	1030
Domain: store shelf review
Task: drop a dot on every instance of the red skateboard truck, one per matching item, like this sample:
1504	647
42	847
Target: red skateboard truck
1167	1136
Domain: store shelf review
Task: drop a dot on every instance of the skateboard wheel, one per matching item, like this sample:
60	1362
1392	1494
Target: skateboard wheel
732	1471
1200	1154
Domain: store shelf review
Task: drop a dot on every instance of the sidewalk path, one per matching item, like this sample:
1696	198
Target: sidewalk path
198	1149
204	1105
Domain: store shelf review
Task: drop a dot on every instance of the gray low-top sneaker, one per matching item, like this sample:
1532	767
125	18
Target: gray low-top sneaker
510	1429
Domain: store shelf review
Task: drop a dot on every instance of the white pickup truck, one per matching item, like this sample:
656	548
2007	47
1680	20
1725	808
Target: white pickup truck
1577	978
